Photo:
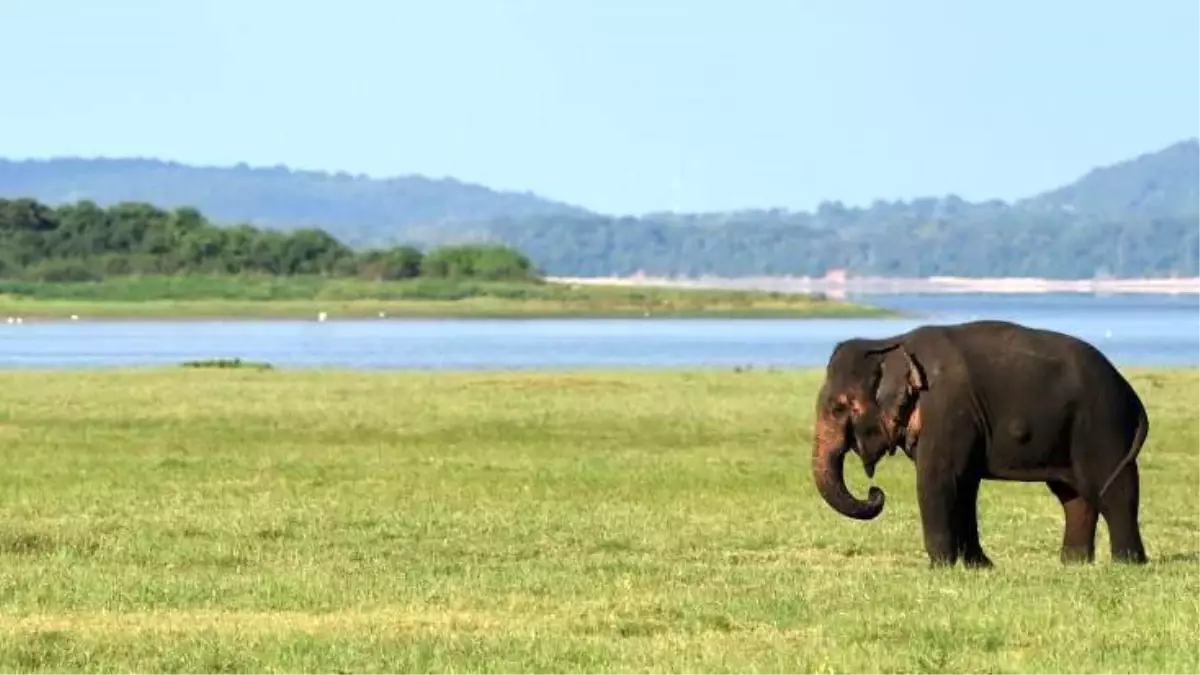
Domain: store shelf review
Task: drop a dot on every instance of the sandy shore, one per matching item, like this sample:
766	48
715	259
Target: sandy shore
882	285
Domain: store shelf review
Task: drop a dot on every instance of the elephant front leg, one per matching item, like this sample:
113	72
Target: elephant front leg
936	496
967	525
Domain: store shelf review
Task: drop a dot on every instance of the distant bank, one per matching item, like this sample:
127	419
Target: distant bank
839	287
261	297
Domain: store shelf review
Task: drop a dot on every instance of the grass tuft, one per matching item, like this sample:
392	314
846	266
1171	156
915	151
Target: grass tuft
227	364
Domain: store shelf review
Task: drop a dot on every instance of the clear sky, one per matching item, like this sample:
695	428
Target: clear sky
622	106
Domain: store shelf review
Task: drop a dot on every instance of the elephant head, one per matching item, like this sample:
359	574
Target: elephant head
864	404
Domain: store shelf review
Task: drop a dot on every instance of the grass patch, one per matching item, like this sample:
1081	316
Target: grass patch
228	363
267	297
230	520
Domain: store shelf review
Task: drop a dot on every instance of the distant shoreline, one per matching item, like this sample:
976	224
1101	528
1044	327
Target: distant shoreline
321	299
895	286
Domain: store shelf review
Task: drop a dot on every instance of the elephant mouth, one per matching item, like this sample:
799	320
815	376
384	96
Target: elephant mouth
869	467
870	460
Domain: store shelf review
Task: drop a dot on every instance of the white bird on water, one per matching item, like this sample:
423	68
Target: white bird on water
321	316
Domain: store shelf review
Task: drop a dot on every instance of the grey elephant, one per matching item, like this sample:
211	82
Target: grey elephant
985	400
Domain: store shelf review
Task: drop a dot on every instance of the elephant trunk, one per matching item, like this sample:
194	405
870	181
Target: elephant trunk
830	446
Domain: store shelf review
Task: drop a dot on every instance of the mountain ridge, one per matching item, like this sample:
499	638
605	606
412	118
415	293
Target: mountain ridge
1077	229
1107	185
348	205
1187	150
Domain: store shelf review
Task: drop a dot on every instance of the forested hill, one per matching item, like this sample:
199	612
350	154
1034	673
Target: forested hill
356	209
1134	218
1164	183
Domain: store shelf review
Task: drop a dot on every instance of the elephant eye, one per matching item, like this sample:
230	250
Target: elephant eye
839	407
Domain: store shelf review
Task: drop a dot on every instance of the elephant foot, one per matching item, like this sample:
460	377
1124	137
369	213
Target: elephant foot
1077	555
977	561
1131	557
942	560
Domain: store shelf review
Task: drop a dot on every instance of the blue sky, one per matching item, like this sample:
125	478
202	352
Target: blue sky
623	106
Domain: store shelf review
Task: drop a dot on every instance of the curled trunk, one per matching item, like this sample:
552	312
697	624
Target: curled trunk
830	446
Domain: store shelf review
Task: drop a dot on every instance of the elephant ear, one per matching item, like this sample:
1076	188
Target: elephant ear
916	378
900	378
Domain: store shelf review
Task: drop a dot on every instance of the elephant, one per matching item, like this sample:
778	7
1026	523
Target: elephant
992	400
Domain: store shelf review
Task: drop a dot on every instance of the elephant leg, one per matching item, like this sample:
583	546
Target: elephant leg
966	525
1079	535
937	497
1119	506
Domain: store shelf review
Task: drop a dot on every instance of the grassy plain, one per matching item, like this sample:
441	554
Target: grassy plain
282	297
247	520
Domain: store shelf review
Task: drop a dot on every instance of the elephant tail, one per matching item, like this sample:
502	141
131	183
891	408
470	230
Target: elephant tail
1135	447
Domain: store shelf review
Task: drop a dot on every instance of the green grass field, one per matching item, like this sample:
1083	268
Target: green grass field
305	297
239	520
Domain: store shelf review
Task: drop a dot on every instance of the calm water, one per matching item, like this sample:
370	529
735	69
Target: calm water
1132	329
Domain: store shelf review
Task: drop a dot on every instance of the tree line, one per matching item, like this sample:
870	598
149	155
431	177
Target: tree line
82	241
909	240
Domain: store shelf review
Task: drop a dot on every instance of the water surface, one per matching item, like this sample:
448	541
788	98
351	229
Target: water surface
1135	330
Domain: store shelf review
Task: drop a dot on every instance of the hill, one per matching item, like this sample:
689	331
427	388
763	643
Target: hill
1134	218
1164	183
355	209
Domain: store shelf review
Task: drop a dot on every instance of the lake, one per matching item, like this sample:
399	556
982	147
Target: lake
1133	330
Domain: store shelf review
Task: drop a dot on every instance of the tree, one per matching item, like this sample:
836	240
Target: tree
400	262
481	261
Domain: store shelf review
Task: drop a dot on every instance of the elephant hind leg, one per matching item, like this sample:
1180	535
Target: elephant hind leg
1100	446
1119	506
1079	535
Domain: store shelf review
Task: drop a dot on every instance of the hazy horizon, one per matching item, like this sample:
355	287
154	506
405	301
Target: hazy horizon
619	107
